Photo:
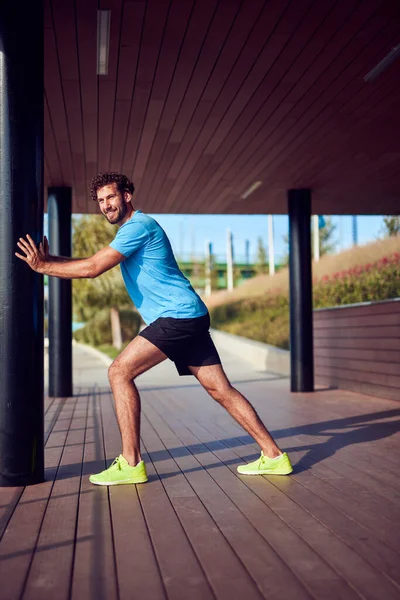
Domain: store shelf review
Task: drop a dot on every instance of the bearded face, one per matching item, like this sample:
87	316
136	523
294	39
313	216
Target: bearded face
116	214
112	204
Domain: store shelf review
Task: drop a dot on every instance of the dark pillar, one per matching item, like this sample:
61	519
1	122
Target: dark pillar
21	212
60	296
301	327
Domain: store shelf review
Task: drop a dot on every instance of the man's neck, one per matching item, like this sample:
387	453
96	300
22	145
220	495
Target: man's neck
129	215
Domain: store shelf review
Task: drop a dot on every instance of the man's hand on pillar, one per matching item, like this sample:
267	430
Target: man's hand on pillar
35	257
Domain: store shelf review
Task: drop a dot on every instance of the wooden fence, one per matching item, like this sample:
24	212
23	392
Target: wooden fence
358	348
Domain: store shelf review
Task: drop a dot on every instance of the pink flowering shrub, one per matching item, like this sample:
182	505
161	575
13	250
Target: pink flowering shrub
363	283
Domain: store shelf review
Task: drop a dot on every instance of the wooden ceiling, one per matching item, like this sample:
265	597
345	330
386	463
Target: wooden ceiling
205	97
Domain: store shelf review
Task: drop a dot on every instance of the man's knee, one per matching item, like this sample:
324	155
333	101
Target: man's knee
119	370
220	392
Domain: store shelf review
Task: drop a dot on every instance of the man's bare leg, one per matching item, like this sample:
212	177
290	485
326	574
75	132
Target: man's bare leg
216	383
139	356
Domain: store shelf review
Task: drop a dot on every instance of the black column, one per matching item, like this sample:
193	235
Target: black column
21	212
60	296
300	276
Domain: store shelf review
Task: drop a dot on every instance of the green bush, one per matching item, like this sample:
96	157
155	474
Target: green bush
262	319
267	319
97	330
110	350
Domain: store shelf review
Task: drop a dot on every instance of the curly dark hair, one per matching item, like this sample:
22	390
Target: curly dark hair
102	179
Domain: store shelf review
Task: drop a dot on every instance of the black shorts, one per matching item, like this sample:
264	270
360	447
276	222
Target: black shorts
187	342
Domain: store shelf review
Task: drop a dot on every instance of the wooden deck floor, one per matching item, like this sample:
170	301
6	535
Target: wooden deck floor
198	530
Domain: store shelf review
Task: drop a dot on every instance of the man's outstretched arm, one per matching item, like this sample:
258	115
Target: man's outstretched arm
67	268
44	246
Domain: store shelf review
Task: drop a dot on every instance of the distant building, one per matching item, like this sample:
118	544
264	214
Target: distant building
195	272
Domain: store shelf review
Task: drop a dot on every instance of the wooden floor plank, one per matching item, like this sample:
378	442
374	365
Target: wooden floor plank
138	574
374	521
180	569
365	487
181	572
367	512
9	498
305	418
347	480
47	403
50	573
340	471
361	488
334	462
224	570
51	416
361	574
93	574
367	545
19	541
356	434
197	529
376	480
377	483
256	554
291	547
360	540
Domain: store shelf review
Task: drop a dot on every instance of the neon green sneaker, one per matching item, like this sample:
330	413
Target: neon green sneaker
267	466
121	472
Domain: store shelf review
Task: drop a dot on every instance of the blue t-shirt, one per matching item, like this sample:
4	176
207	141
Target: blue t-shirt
152	277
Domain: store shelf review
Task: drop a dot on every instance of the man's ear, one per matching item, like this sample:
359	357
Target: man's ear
127	197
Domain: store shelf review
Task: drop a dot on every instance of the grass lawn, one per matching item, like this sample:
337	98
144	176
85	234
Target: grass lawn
110	350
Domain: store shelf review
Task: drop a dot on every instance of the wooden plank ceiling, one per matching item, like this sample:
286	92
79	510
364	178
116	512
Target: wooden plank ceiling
205	97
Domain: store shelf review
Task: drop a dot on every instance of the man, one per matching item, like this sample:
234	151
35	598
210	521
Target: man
178	327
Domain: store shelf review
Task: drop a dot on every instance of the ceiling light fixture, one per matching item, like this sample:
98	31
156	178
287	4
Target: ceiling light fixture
383	65
103	40
251	189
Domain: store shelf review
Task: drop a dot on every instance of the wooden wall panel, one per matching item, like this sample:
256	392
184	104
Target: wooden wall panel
317	107
131	34
290	145
367	309
204	97
176	27
211	46
56	109
239	141
155	21
223	147
53	175
67	52
274	106
205	118
358	348
161	157
107	85
86	31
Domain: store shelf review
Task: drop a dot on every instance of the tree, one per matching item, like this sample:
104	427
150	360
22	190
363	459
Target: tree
261	256
326	243
90	234
391	226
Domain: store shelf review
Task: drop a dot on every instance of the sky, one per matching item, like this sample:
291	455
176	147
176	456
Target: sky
189	233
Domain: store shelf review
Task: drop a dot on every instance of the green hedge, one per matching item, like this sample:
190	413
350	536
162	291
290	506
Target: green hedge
97	331
262	319
366	283
266	319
